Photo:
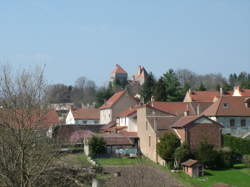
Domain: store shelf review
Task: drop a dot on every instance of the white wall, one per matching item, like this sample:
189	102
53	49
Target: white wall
70	118
105	116
237	130
129	122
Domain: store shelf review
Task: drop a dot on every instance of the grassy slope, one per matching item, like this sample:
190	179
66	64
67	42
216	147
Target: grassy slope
238	176
116	161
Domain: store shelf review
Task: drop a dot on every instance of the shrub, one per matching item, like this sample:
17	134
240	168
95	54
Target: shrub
246	160
97	145
224	159
206	154
238	145
167	146
182	153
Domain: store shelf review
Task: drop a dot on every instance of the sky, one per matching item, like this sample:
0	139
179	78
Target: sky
76	38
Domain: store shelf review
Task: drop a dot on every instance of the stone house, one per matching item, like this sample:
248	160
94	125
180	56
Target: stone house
119	102
194	129
233	113
83	116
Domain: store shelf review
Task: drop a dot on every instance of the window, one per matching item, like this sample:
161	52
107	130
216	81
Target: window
149	141
243	123
146	125
226	105
232	123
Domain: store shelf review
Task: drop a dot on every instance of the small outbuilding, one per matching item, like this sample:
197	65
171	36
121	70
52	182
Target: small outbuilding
193	168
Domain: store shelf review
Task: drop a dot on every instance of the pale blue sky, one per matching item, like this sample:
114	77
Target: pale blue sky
80	37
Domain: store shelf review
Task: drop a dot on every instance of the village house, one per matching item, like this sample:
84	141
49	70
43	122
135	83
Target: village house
233	112
158	118
194	129
83	116
62	109
119	102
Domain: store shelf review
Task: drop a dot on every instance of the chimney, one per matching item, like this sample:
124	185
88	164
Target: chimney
198	109
221	92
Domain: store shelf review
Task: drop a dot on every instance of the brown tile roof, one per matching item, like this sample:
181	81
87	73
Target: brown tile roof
186	120
128	112
115	139
108	126
129	134
245	92
174	108
87	113
79	135
204	96
118	70
190	163
236	106
112	100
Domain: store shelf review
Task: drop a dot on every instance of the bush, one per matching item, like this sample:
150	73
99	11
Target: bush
167	146
97	145
206	154
238	145
224	159
246	160
182	153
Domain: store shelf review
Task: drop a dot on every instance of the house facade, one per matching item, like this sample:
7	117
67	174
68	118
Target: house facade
119	102
233	112
128	119
83	117
194	129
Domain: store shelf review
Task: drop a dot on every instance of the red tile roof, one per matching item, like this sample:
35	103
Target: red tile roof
204	96
175	108
236	106
245	92
186	120
118	70
190	163
87	113
112	100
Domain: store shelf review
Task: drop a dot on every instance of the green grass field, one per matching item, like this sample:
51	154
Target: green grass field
238	176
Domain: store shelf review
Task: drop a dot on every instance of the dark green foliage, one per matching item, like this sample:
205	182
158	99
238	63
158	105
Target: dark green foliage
172	86
182	153
206	154
160	91
202	87
102	95
167	146
246	160
224	159
148	88
97	146
242	80
238	145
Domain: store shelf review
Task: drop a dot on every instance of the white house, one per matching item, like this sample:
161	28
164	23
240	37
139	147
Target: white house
119	102
233	113
86	116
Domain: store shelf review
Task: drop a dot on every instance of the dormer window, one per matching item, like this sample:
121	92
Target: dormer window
225	105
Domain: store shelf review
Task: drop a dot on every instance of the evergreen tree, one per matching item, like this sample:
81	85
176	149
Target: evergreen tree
148	88
202	87
172	86
160	90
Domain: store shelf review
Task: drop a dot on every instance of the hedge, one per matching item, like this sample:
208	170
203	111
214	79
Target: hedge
238	145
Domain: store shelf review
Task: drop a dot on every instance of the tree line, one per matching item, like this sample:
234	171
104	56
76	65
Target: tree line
171	86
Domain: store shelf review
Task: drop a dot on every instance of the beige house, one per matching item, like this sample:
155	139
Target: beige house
119	102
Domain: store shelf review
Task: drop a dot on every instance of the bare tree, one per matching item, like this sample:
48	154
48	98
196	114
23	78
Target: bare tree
25	153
